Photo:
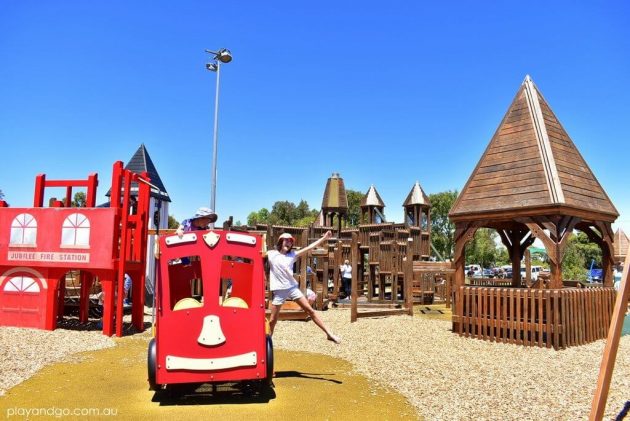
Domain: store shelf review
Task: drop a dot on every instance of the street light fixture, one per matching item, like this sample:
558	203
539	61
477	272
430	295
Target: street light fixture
220	57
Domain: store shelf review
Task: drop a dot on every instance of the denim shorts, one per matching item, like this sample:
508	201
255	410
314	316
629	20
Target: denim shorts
281	295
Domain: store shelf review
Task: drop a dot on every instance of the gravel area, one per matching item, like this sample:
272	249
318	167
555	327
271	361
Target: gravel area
444	376
25	351
447	377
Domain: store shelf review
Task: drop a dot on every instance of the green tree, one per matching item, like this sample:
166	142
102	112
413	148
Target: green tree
260	217
482	249
305	222
574	262
79	200
283	213
502	256
442	230
589	250
354	207
302	210
172	222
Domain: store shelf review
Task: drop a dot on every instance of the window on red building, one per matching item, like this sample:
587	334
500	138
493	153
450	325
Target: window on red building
75	231
23	230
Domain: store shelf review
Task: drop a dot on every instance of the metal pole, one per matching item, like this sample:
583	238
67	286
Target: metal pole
213	196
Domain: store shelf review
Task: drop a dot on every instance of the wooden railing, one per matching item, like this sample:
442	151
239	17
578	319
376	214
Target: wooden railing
489	282
432	281
534	317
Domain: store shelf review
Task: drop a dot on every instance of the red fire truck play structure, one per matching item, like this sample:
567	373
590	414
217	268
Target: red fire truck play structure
39	245
210	311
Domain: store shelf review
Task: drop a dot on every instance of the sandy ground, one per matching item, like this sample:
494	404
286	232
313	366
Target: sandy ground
386	368
113	381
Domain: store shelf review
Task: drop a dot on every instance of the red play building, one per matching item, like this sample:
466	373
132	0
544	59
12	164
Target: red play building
210	311
39	245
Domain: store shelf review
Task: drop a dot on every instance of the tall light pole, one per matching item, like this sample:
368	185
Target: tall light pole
219	57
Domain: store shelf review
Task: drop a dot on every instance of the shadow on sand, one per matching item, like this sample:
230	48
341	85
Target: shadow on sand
213	394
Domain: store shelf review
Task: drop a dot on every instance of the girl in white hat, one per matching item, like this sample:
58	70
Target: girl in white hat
282	284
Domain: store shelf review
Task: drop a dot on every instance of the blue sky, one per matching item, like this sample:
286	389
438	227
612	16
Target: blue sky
385	93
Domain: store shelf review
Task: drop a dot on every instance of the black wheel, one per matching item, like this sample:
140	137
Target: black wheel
269	379
152	365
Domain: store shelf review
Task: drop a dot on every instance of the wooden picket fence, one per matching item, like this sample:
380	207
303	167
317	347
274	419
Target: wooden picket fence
556	318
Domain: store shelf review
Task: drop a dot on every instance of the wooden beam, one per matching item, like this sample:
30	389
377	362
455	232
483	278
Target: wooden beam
355	277
612	345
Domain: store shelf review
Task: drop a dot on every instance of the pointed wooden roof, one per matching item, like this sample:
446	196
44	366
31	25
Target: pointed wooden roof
531	167
620	244
372	198
335	198
416	197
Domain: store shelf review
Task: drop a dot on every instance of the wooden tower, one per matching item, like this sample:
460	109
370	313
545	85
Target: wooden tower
335	202
417	207
372	207
621	246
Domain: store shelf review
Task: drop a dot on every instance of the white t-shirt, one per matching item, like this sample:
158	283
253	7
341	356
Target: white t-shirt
346	271
281	270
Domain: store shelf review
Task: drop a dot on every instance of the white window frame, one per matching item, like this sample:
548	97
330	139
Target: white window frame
23	226
75	231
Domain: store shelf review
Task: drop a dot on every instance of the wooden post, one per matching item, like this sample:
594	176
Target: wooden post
355	276
516	259
528	268
612	345
408	277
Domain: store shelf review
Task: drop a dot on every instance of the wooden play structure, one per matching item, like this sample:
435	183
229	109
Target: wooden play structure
40	245
621	243
390	263
607	365
532	182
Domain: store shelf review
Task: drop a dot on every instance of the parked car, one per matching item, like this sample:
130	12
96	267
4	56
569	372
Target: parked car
474	271
595	275
535	270
488	273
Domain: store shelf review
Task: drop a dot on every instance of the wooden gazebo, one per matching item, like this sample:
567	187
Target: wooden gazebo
531	182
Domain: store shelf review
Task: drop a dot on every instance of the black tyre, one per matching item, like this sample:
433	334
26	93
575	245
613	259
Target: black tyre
152	365
269	378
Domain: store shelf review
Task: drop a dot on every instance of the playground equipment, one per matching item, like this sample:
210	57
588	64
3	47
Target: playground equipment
532	182
385	256
39	245
210	311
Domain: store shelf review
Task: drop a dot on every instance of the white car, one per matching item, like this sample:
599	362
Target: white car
535	271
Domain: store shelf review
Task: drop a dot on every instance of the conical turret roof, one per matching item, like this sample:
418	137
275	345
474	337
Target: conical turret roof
141	162
532	166
620	244
335	198
417	197
372	198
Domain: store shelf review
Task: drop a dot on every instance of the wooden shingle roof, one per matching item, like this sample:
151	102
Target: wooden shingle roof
620	244
416	196
335	198
532	167
372	198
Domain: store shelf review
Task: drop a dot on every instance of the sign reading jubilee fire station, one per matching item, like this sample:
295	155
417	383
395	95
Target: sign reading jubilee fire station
42	256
